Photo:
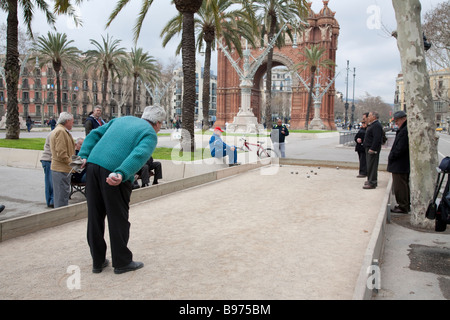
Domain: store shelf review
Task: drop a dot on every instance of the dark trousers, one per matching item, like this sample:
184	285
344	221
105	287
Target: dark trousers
362	163
400	184
145	172
372	160
103	201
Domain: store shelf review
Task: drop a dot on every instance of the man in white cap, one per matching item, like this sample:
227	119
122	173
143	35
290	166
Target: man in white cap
113	153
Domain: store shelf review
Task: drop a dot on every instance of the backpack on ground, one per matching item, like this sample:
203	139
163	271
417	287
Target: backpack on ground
441	214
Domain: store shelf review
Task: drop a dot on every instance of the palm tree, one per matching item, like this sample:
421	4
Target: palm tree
56	49
212	21
12	67
313	61
272	15
140	65
107	56
187	8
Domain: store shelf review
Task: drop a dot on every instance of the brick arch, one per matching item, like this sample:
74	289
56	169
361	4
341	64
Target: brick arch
323	31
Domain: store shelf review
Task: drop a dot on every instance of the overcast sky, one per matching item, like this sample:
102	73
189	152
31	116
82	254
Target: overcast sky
362	40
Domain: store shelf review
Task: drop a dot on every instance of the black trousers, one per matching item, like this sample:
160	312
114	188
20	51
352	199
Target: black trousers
400	184
372	160
113	202
144	172
362	163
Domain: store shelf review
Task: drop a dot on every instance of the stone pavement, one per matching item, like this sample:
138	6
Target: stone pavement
250	236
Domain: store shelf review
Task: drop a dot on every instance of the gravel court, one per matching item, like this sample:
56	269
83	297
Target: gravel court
251	236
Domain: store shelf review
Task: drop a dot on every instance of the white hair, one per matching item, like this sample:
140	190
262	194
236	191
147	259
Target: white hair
64	117
154	114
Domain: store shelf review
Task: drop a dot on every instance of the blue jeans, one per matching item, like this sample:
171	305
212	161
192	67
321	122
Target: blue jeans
48	182
232	155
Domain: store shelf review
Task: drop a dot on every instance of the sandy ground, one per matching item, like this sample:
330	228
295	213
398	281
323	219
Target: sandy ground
252	236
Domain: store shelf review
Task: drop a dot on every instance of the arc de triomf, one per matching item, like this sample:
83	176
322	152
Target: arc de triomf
323	30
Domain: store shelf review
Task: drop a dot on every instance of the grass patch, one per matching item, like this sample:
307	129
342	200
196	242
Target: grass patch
26	143
176	154
159	153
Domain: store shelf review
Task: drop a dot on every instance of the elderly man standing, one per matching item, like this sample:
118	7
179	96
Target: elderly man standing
372	144
113	153
398	164
94	120
62	147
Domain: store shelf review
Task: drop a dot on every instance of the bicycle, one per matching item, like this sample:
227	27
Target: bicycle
261	152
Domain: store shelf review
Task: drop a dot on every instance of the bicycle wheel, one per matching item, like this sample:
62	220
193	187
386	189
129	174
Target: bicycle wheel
266	153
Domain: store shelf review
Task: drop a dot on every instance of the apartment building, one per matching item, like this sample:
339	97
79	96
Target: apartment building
440	89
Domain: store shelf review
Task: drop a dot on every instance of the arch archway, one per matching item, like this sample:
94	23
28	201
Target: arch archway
323	30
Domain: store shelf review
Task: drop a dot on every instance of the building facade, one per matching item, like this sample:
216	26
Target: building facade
440	90
176	102
80	93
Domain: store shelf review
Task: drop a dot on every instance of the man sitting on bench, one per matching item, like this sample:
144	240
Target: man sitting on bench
144	173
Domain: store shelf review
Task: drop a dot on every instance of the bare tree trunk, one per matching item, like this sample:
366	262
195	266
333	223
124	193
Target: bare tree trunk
311	88
206	86
188	54
12	70
419	107
57	68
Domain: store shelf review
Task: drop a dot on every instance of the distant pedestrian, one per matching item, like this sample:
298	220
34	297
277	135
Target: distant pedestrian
46	161
52	123
114	152
359	148
29	123
278	136
62	147
94	120
398	164
372	144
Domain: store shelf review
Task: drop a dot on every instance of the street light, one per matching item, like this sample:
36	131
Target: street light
346	98
353	100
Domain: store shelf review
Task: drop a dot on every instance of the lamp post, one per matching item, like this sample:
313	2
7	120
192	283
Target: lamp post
353	100
346	98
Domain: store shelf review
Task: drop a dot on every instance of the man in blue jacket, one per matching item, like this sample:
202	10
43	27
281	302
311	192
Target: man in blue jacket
220	149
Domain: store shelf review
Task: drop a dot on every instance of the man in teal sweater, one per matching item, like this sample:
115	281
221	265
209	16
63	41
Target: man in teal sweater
112	154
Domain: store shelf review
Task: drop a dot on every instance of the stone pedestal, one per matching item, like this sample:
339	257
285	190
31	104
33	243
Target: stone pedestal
316	123
245	121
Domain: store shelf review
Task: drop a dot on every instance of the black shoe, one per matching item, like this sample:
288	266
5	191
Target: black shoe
104	265
2	207
155	182
398	210
133	265
136	185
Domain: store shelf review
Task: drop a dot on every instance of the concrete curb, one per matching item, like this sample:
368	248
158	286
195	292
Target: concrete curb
374	252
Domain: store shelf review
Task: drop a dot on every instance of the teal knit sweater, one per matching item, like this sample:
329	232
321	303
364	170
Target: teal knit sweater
123	145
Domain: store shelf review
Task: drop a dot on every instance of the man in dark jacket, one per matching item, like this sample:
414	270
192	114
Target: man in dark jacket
278	135
398	164
94	120
359	139
372	144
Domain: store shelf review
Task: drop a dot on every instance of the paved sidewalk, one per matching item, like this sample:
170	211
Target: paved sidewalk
208	250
